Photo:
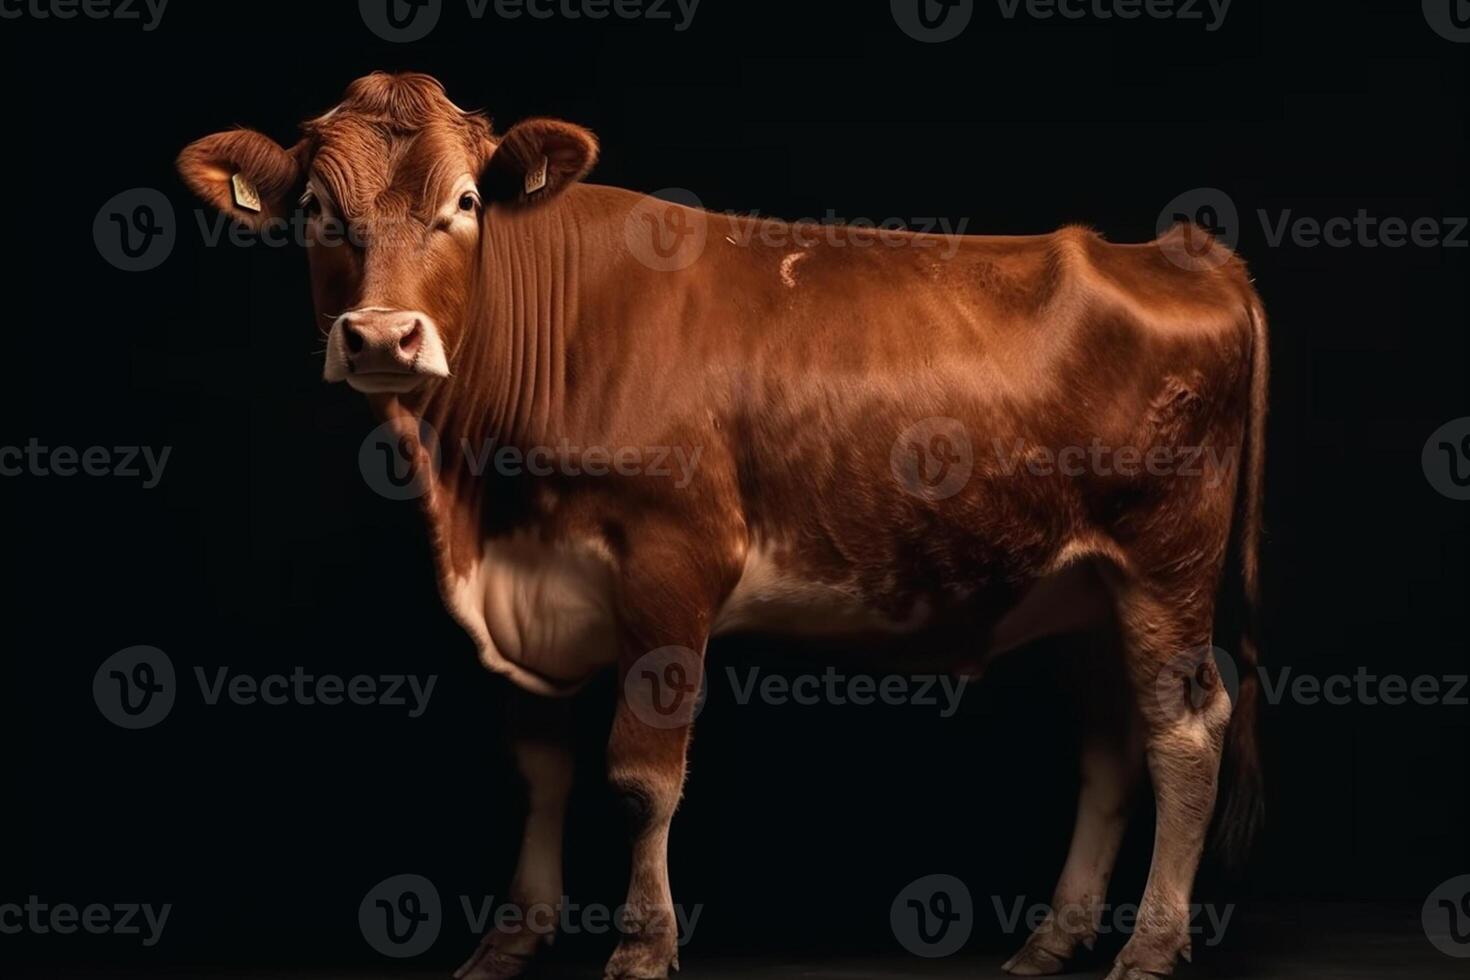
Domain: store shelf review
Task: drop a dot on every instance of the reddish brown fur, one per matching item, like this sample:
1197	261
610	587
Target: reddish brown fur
794	379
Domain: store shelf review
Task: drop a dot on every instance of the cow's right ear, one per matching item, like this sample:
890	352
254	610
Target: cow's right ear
248	176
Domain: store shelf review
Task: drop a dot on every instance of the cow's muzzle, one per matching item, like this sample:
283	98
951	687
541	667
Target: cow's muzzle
384	350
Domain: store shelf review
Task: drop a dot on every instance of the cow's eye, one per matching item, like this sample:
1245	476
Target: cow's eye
467	202
310	204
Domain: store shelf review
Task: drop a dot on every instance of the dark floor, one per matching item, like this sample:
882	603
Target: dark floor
1311	942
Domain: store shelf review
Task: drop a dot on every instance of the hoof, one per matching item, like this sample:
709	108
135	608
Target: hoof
490	963
1123	971
1033	961
1149	957
640	962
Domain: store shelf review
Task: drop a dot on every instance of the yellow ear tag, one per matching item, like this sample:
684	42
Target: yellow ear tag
245	194
536	179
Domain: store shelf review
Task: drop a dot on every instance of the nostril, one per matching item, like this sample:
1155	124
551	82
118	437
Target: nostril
410	341
352	336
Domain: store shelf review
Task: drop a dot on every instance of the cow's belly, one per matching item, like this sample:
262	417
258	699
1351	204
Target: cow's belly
544	615
541	614
773	598
1067	595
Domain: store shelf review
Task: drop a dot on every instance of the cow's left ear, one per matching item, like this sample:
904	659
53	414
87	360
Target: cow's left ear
535	161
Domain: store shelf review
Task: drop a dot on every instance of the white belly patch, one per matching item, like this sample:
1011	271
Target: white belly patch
769	598
542	614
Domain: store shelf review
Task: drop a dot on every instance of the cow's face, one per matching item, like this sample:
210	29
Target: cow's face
394	187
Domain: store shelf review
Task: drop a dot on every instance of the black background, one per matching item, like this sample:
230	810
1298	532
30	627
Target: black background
264	549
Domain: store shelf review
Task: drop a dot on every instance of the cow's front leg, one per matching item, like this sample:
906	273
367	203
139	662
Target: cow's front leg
657	697
540	731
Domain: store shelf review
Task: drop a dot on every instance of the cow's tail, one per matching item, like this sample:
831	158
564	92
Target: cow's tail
1242	786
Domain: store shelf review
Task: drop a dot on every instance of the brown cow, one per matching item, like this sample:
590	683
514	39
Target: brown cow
833	394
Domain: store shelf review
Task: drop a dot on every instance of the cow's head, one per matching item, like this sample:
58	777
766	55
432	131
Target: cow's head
396	183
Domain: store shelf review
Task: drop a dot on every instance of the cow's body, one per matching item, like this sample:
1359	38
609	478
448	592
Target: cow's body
784	388
954	441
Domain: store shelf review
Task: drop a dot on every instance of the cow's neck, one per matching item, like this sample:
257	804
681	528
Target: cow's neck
515	368
508	389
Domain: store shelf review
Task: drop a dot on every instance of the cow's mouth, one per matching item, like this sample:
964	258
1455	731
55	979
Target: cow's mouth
386	382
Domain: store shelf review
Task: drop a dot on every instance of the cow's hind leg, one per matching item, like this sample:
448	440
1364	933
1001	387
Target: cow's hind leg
1185	712
540	740
1112	767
